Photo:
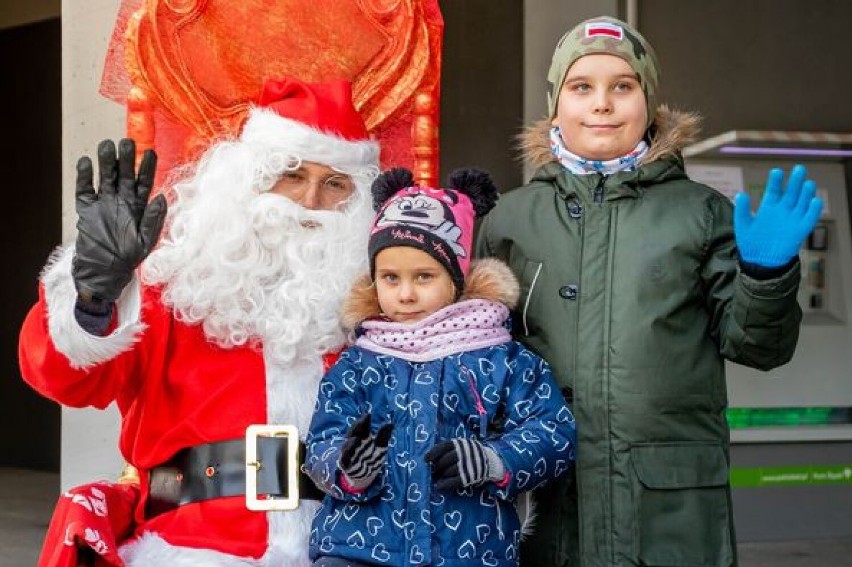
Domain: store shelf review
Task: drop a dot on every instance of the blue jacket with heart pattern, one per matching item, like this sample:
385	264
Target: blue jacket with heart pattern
483	385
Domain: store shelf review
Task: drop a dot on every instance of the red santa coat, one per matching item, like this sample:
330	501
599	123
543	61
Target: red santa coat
174	389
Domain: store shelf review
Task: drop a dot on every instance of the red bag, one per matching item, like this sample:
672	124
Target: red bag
88	524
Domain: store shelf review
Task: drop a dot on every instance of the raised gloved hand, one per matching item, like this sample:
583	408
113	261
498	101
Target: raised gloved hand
459	463
772	237
117	227
362	456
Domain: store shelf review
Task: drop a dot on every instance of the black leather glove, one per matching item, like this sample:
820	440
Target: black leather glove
117	227
362	456
459	463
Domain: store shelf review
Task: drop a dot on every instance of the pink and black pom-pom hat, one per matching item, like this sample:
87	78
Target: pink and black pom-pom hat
438	221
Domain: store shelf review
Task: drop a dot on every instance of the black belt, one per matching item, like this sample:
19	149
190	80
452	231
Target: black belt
215	470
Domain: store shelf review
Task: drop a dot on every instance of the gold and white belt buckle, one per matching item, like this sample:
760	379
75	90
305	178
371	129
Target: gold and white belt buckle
253	465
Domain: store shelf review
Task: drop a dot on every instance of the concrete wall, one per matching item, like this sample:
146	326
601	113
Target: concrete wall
89	437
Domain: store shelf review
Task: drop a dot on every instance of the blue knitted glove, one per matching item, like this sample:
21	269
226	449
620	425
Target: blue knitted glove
772	237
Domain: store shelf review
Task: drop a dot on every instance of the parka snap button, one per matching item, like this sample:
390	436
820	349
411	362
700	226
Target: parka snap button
575	209
568	292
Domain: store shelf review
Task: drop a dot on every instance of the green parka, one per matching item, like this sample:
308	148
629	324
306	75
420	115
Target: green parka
630	288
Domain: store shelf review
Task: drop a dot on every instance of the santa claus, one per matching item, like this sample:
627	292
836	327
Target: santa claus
224	325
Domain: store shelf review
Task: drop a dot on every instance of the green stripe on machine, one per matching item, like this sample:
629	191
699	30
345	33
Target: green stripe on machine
791	476
743	418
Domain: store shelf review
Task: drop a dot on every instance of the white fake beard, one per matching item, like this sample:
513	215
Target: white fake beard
258	269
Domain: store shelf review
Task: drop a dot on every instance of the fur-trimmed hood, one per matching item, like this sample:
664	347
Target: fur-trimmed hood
489	279
673	130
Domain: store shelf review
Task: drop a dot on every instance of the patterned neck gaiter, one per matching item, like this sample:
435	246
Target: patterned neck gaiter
582	166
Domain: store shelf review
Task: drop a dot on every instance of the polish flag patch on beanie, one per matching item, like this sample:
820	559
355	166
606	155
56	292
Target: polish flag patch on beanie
606	29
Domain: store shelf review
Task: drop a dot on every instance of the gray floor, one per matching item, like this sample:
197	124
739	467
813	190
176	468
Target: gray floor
813	553
26	501
27	498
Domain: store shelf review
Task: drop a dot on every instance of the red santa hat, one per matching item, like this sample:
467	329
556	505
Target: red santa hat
314	122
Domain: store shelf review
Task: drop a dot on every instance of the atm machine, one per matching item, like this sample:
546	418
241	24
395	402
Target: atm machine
791	428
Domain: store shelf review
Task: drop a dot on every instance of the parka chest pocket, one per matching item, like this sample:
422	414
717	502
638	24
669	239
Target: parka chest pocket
681	505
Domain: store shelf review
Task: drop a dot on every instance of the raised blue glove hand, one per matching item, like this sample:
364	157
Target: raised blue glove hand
773	236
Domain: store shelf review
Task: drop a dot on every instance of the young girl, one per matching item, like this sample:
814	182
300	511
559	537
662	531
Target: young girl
637	284
435	419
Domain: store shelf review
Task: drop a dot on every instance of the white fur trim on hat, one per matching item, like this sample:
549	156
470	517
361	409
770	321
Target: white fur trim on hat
83	349
309	144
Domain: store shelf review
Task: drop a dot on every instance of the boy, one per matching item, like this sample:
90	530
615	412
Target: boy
636	285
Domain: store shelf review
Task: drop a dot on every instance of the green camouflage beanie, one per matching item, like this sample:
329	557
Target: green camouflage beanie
611	36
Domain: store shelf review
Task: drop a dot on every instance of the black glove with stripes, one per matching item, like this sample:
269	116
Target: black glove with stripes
459	463
362	455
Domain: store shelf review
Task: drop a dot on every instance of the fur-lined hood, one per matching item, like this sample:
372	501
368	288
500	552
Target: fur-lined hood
673	129
489	279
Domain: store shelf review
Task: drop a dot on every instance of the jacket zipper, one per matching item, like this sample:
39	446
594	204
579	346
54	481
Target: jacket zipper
599	191
607	387
480	408
483	430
